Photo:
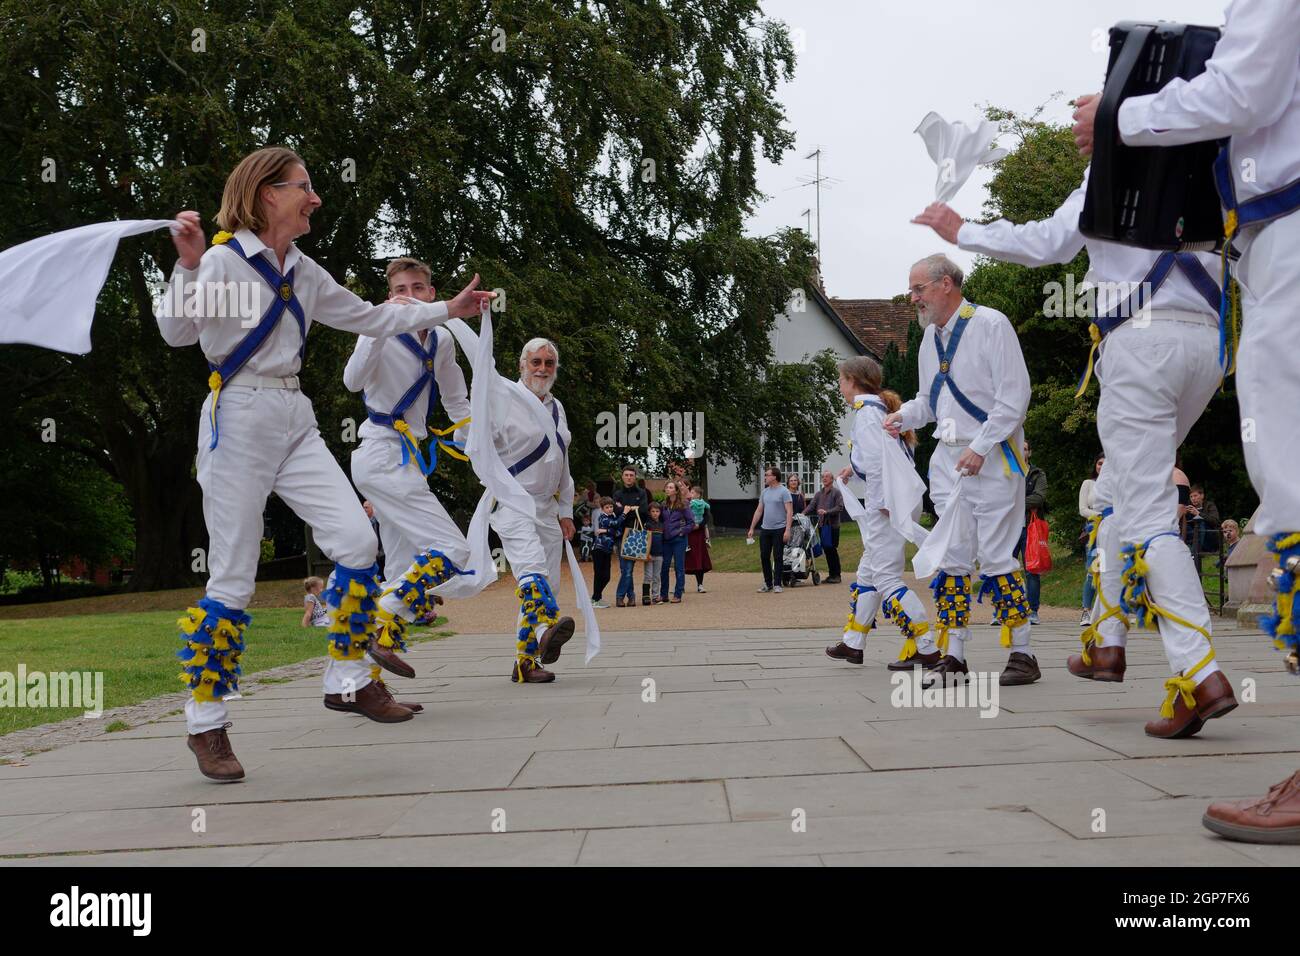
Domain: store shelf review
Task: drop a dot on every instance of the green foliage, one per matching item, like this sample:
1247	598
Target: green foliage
594	161
1030	184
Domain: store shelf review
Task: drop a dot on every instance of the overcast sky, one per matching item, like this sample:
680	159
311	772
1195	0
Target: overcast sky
868	72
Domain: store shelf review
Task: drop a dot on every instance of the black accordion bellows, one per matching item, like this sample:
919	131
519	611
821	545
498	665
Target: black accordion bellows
1155	197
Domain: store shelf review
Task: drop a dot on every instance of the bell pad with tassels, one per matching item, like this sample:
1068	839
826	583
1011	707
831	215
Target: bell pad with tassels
214	639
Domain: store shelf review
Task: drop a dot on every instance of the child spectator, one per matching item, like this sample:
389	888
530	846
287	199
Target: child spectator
609	527
586	539
313	612
655	528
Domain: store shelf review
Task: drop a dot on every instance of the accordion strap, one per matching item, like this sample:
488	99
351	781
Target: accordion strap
1105	134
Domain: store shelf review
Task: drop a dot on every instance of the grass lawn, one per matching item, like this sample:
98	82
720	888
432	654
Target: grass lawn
136	652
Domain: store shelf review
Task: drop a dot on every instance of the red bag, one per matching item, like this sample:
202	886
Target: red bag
1038	556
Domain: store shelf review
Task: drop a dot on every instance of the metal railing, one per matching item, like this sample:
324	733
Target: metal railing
1210	553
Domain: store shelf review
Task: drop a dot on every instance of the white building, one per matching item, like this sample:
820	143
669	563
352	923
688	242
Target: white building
847	327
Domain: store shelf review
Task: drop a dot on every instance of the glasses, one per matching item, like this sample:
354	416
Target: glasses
303	184
917	289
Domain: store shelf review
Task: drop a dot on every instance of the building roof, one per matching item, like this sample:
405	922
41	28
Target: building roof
876	322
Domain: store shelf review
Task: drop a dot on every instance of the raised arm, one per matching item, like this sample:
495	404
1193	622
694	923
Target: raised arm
1248	82
363	363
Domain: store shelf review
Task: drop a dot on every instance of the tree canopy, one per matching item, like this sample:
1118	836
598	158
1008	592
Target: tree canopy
594	160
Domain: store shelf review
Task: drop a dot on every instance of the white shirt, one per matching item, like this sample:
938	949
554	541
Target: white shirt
989	368
515	434
864	456
1115	269
1088	499
323	300
384	369
1250	90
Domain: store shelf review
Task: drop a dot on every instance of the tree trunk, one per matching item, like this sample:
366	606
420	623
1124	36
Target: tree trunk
168	507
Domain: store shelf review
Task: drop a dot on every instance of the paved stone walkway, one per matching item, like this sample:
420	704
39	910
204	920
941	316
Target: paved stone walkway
756	749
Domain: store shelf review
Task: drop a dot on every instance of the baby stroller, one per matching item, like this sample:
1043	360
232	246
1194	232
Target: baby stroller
798	563
586	543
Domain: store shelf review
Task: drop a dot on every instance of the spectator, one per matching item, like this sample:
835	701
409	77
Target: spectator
1184	486
313	612
776	509
1035	501
632	502
1231	535
1089	512
655	527
828	505
678	522
699	540
591	500
1202	524
797	500
608	526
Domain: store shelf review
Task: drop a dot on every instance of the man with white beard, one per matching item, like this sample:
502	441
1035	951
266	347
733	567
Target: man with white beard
521	411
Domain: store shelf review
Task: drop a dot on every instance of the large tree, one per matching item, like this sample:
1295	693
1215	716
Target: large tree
594	160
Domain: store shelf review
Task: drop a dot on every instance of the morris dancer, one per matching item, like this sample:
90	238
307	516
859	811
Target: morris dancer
522	411
257	434
977	396
400	378
1250	91
1157	317
880	571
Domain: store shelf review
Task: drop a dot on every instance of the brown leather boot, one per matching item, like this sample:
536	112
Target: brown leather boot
548	649
387	658
216	760
842	652
1272	818
948	666
916	660
1214	698
412	706
1020	669
373	701
532	673
1107	664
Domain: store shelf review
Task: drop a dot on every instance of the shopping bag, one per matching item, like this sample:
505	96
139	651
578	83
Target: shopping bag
1038	556
636	543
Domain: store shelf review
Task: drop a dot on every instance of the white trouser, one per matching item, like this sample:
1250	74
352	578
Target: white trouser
1113	631
411	518
881	566
532	546
1156	379
269	443
1268	385
992	504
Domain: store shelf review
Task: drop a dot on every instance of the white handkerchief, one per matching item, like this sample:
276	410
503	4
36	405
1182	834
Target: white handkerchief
583	600
957	149
851	503
43	301
931	555
903	490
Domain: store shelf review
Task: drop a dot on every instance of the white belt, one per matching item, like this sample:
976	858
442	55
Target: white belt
249	380
1173	315
955	442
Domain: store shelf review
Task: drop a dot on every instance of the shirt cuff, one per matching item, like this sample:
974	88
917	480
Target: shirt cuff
982	446
1134	122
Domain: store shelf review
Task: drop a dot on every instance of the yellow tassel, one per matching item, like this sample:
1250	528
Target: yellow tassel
1178	685
1094	333
909	649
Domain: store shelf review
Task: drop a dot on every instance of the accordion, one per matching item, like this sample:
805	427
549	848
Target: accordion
1155	197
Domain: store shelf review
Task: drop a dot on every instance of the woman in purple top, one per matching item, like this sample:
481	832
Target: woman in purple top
678	522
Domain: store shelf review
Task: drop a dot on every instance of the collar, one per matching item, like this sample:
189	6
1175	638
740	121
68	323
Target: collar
252	245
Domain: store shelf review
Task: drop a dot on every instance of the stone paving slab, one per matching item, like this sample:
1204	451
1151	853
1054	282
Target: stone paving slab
748	748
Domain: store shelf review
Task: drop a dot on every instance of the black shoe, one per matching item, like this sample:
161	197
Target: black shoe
645	599
834	580
948	666
1020	669
927	661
